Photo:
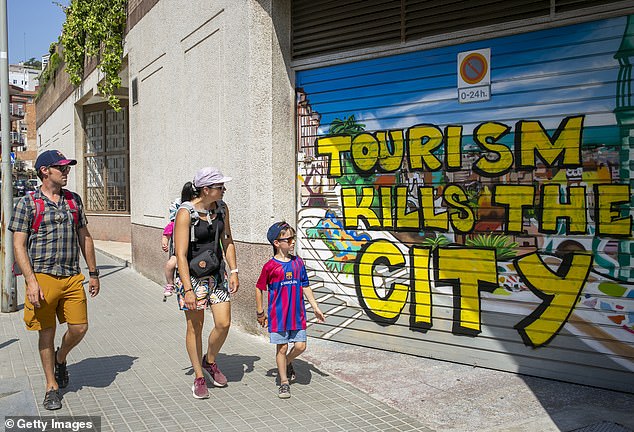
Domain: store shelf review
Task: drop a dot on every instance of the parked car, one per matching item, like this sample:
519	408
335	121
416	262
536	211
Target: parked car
21	187
32	184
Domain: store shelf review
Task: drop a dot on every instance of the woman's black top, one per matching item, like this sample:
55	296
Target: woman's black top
205	233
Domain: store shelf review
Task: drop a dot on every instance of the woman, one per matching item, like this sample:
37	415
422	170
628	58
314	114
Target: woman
198	226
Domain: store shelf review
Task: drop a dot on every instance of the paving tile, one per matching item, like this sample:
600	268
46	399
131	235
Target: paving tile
132	370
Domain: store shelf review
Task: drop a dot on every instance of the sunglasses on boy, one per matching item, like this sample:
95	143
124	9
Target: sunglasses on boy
287	239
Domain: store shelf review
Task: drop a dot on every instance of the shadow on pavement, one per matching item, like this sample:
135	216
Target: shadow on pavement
569	406
233	366
303	371
7	343
97	372
104	274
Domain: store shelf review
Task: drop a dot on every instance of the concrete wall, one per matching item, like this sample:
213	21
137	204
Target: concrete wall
213	89
110	227
58	132
62	129
148	259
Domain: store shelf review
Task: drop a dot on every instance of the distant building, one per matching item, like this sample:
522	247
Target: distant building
45	59
24	77
23	129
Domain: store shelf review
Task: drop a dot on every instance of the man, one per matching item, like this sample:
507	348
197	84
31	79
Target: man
49	229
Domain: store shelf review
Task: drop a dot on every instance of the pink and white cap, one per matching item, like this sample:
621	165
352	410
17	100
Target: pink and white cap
209	176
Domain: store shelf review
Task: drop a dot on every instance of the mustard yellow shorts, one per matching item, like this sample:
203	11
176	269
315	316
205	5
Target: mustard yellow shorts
64	297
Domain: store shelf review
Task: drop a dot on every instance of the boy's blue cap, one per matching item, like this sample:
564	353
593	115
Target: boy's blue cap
52	157
275	230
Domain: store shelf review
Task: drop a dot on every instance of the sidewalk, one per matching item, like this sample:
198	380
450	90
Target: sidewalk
133	371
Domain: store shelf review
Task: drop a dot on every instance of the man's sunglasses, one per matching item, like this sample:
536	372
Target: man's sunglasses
61	168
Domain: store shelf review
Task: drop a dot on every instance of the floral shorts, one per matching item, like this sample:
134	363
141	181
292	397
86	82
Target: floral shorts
208	291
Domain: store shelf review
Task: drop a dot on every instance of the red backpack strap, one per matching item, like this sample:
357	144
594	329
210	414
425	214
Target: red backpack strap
39	212
72	205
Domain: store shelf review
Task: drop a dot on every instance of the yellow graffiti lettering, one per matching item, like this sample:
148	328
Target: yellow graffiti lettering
333	147
453	136
420	310
468	271
391	160
422	140
365	152
565	146
405	219
558	291
574	211
386	206
464	219
386	151
486	135
431	219
384	308
610	220
353	209
515	198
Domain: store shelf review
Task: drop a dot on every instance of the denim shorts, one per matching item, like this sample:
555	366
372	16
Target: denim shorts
287	336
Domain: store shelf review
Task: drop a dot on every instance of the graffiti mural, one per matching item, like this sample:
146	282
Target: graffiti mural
502	226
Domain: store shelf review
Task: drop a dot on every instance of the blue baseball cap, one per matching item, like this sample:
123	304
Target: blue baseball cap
52	157
275	230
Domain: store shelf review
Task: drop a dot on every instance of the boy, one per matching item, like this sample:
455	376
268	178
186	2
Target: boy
285	277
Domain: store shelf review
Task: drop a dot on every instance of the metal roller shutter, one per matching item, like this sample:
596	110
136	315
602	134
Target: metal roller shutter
495	232
342	24
324	27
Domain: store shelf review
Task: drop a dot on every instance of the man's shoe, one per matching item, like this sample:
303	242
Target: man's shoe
199	389
284	391
61	373
52	400
217	378
290	372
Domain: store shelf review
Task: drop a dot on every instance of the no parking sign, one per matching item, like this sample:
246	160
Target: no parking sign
474	76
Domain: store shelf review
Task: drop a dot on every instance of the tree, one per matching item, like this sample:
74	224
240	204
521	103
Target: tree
33	63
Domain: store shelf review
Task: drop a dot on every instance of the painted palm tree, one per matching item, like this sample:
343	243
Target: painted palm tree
347	126
350	177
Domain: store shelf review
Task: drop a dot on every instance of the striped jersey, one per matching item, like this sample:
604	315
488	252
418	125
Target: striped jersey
284	282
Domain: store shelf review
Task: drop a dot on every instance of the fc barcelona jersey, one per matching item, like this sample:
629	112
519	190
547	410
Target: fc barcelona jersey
284	282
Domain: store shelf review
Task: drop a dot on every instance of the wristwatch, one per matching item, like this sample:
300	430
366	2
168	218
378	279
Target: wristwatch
94	273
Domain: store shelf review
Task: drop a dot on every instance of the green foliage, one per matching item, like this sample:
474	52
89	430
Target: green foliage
33	63
49	73
348	126
505	248
95	28
435	242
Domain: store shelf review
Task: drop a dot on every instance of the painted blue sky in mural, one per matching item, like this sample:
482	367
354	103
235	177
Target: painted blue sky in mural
545	75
